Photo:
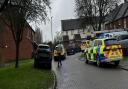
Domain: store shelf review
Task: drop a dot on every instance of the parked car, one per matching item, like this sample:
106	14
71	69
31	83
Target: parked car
123	40
43	56
104	51
70	50
59	49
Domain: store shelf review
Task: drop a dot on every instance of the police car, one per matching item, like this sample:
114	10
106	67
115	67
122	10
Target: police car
104	50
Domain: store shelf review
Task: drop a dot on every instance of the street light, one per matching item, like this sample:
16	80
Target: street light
51	30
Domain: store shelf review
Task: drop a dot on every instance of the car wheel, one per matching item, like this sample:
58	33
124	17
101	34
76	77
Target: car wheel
86	60
49	65
117	63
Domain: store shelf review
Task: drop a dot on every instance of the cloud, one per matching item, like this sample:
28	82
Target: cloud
61	9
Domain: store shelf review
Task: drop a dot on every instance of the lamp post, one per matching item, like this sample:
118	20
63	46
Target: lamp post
51	29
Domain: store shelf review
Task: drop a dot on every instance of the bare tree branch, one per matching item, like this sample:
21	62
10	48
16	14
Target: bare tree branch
95	9
5	3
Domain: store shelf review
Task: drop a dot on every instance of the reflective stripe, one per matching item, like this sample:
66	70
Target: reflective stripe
102	49
88	50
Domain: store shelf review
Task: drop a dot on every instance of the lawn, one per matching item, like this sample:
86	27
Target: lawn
25	77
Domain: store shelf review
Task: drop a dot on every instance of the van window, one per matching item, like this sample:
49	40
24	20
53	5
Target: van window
44	47
99	42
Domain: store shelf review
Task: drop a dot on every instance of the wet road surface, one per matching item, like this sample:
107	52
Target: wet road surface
75	74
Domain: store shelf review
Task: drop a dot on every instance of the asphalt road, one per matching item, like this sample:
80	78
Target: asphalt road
75	74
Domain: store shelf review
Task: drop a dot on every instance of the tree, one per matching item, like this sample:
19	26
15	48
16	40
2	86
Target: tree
58	38
95	10
3	5
17	12
38	37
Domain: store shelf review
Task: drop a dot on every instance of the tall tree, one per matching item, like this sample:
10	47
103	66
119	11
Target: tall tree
95	10
38	37
3	4
17	12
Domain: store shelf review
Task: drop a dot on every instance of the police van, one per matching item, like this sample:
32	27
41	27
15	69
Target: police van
104	50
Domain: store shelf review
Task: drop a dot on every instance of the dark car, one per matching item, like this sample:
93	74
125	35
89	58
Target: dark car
43	57
70	50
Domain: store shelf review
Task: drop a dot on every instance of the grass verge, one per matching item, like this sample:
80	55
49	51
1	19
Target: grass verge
25	77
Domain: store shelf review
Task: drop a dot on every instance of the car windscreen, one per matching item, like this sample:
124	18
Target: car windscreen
123	37
44	47
111	41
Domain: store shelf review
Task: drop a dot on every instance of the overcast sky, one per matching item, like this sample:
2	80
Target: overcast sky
61	10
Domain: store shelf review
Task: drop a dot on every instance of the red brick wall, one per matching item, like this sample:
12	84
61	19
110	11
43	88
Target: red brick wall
25	46
116	24
9	44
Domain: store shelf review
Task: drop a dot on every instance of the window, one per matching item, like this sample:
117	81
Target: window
99	43
78	30
83	31
72	32
66	32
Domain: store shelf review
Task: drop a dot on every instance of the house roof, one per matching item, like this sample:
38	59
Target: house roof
122	11
126	13
72	24
119	12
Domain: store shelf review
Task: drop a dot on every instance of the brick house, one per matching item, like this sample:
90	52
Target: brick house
7	44
118	18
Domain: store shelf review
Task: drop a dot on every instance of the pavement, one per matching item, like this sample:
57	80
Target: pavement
75	74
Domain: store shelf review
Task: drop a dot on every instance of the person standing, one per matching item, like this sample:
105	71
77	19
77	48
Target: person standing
59	51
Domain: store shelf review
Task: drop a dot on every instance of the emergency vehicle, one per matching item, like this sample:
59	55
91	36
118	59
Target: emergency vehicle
104	50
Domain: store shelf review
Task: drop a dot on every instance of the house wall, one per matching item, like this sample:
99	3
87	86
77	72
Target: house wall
118	24
83	32
9	50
